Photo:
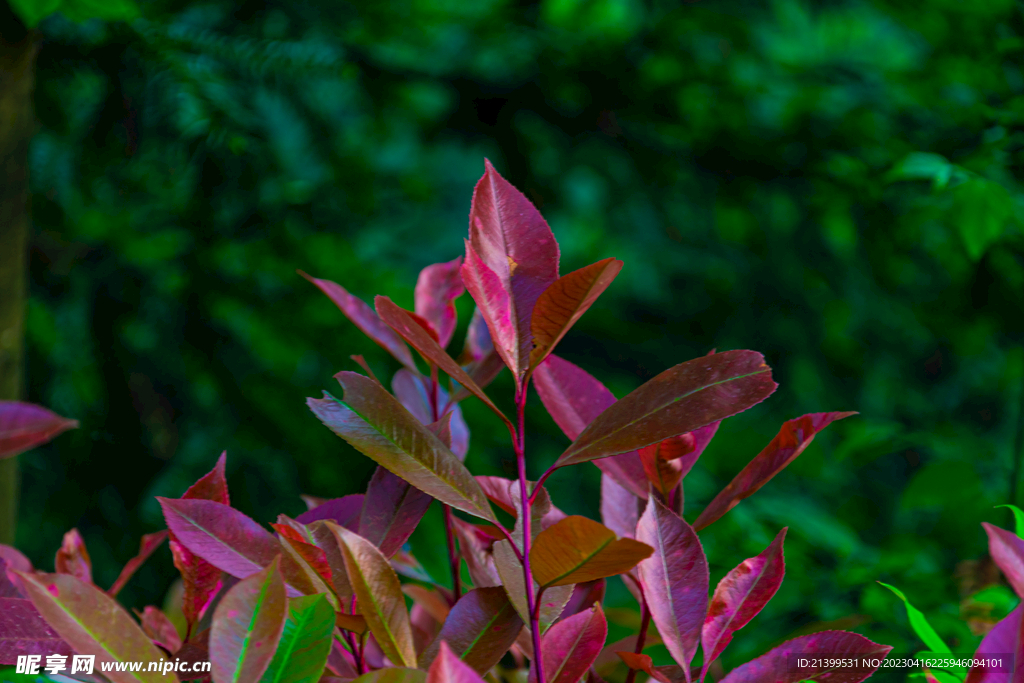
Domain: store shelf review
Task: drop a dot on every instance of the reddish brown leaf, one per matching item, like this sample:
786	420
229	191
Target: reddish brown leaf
159	628
147	545
578	549
392	509
584	596
200	580
213	485
480	629
837	645
437	288
792	439
24	426
73	558
570	647
643	663
476	548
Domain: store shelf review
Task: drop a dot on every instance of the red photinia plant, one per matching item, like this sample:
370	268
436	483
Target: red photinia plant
320	598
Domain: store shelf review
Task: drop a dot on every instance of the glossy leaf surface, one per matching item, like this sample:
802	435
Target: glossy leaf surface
479	629
213	485
448	668
775	665
578	549
301	654
437	288
571	646
681	399
674	578
247	626
376	424
24	426
792	439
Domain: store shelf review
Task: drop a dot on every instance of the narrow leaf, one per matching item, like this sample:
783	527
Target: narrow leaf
1007	551
247	626
479	629
310	559
379	595
920	624
73	558
739	596
776	665
376	424
574	398
403	323
578	549
343	511
1018	518
565	301
366	320
674	579
90	621
147	545
437	288
23	631
301	655
448	668
24	426
681	399
571	646
792	439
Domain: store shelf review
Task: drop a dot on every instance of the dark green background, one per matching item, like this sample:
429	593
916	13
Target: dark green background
834	184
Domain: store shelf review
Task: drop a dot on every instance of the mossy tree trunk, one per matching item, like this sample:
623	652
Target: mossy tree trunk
18	47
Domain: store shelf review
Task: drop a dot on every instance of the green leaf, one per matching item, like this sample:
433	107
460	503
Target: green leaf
920	625
927	166
1018	518
980	213
108	10
33	11
302	653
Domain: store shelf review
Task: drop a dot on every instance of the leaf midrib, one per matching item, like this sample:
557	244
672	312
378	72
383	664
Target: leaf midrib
586	559
377	609
264	588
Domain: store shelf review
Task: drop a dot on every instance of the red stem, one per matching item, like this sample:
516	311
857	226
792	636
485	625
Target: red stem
645	622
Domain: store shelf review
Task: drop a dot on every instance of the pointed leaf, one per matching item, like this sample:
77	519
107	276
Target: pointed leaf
565	301
159	628
366	320
739	596
376	424
1018	518
147	545
776	664
405	325
247	626
305	642
792	439
437	288
73	558
574	398
392	509
24	426
674	579
343	511
920	624
90	621
509	238
1007	551
379	595
229	540
1005	638
479	629
644	663
578	549
571	646
681	399
200	579
448	668
213	485
397	675
23	631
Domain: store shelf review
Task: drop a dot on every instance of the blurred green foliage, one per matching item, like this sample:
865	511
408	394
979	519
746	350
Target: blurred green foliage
834	184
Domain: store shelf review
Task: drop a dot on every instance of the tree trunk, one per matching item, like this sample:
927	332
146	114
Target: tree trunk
18	49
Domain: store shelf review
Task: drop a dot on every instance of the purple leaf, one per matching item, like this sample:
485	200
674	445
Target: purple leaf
476	548
147	545
413	392
620	509
23	631
478	340
511	258
447	668
674	578
584	595
480	629
344	511
574	398
437	288
571	646
1005	638
739	596
366	320
679	400
8	589
792	439
1007	551
213	485
776	666
392	508
24	426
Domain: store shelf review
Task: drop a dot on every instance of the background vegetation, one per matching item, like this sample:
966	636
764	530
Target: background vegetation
835	184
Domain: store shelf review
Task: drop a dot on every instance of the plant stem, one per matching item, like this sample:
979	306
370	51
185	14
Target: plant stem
645	622
454	559
532	603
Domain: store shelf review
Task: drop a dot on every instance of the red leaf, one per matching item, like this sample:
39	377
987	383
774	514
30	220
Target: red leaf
1005	638
509	238
437	288
681	399
448	668
213	485
584	595
570	647
73	558
159	628
480	629
366	320
24	426
342	511
776	665
306	549
574	398
740	596
1007	551
200	579
643	663
792	439
666	463
674	578
392	508
147	545
23	631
